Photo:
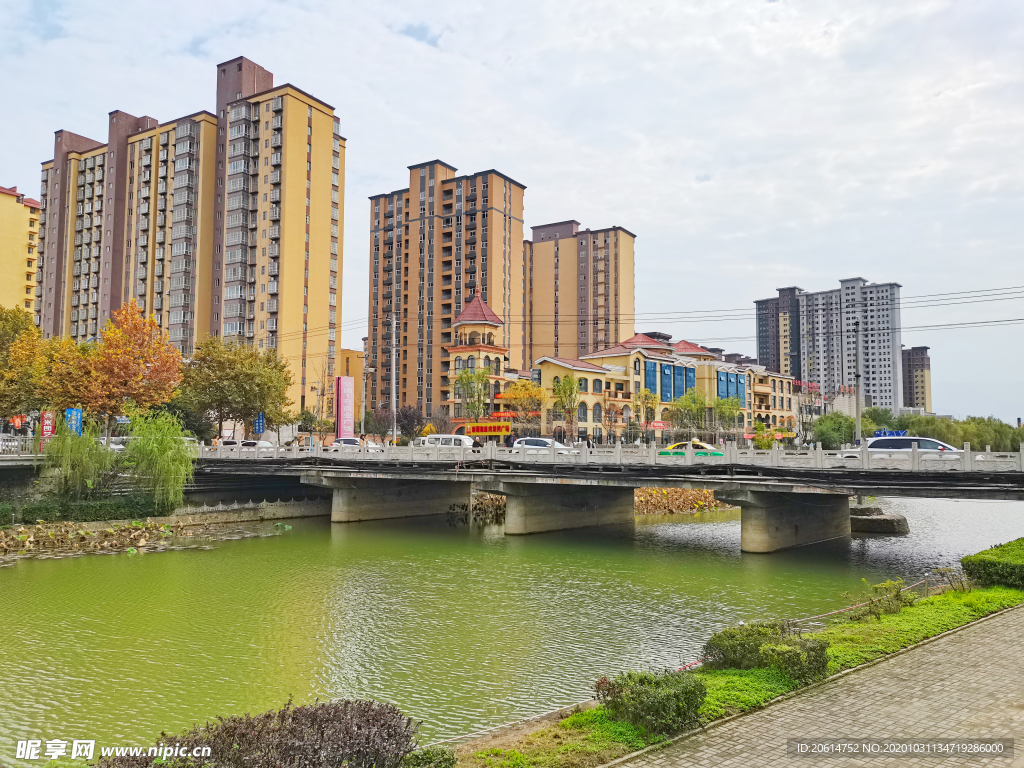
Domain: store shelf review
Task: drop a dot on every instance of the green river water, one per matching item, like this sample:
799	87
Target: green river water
462	628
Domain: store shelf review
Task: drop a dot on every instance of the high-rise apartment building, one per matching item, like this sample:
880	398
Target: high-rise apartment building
225	223
19	228
434	245
778	332
820	338
579	289
917	378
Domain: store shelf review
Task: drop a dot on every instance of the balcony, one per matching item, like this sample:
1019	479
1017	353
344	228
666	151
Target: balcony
274	250
275	140
277	122
272	288
272	305
275	177
275	195
146	161
275	213
275	159
274	232
273	269
277	104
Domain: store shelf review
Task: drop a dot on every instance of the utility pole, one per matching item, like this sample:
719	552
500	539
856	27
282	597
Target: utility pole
394	374
857	435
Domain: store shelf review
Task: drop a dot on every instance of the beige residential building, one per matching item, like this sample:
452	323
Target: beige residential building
19	230
580	287
435	244
225	223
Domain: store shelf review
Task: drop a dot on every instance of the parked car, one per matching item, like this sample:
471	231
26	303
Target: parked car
260	446
889	447
353	442
118	444
444	441
699	449
530	445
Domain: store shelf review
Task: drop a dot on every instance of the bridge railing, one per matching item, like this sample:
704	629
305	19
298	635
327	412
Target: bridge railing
17	446
631	455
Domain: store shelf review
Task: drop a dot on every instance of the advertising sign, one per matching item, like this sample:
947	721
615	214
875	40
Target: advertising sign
344	406
494	428
890	433
47	424
73	416
658	425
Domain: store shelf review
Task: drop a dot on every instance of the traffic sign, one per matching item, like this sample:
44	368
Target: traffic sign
261	422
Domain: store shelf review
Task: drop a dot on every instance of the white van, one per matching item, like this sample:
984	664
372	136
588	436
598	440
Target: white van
444	441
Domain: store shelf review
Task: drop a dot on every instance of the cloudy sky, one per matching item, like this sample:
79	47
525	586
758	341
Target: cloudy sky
749	144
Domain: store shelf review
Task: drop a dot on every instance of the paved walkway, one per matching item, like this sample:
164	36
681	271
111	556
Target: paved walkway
967	685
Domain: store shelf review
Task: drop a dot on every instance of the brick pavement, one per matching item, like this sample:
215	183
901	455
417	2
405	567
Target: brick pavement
969	684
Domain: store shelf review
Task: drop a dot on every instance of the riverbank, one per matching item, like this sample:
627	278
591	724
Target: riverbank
588	737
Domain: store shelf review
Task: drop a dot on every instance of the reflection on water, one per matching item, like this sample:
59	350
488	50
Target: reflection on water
461	627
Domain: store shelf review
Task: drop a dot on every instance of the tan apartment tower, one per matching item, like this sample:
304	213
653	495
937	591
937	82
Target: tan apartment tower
433	246
19	228
224	223
580	287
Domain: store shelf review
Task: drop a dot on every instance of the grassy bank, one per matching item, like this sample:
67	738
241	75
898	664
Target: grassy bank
591	738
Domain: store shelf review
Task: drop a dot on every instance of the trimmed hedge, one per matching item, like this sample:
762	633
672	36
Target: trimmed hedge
658	702
121	508
765	645
436	756
1003	564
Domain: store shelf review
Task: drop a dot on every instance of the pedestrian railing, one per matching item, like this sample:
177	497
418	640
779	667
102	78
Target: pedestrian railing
631	455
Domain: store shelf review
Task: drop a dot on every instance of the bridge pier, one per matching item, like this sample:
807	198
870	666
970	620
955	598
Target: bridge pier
540	507
772	520
357	499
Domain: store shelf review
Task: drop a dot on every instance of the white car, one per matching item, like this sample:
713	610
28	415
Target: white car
530	445
890	447
353	442
260	446
444	441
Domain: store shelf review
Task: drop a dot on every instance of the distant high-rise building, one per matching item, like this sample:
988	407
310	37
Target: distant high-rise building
579	289
813	337
218	223
433	246
19	228
778	332
917	378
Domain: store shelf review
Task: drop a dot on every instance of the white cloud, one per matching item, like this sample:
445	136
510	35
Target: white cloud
748	144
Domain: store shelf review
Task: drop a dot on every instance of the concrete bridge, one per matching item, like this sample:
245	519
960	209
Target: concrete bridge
788	497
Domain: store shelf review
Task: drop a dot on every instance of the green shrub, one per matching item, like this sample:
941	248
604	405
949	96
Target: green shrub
740	647
886	598
1003	564
6	515
804	660
658	702
430	757
117	508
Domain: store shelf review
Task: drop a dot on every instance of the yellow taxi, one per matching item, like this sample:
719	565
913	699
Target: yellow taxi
699	449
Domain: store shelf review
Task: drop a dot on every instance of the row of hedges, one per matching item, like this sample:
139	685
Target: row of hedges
118	508
1003	564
